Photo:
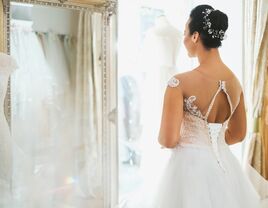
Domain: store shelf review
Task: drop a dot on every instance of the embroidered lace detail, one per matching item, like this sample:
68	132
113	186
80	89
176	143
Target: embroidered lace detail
191	107
173	82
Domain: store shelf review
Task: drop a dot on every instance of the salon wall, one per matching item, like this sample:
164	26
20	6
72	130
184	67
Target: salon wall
60	21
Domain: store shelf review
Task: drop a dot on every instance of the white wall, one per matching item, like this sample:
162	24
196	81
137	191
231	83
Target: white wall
61	21
57	20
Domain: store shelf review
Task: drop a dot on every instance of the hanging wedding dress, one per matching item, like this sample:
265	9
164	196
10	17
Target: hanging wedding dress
158	61
57	161
159	52
57	61
32	112
7	66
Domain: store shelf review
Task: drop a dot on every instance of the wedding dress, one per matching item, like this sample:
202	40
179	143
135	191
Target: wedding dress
158	56
202	172
158	60
7	66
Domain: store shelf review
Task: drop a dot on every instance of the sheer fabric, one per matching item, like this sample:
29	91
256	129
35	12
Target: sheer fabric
53	152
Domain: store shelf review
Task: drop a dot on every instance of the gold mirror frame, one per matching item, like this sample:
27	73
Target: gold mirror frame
108	9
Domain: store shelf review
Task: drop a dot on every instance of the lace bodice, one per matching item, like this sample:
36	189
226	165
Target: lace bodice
196	130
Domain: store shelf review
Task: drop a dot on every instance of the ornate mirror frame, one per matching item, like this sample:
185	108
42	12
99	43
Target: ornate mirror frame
108	9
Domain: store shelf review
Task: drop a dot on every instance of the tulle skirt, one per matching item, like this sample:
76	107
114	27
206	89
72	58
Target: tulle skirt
193	178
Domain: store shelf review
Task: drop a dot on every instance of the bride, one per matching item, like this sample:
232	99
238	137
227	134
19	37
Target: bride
203	113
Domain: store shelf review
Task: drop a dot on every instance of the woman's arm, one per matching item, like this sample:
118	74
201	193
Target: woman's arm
172	116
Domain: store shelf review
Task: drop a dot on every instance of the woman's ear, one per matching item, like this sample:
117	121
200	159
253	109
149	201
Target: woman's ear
195	37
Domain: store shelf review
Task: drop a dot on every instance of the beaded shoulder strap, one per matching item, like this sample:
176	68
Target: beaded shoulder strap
173	82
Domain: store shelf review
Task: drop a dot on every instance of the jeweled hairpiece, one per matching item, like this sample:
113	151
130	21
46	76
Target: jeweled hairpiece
207	26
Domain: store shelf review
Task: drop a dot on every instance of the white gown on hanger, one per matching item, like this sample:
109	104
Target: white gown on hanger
7	66
202	172
158	61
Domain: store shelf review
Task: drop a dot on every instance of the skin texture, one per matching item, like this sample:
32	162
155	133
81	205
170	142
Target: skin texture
212	66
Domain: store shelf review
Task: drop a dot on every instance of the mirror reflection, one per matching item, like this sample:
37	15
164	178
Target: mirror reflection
56	107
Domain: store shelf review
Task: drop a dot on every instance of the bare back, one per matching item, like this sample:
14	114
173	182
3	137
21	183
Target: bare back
204	87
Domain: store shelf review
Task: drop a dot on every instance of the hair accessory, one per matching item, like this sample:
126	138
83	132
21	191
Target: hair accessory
214	33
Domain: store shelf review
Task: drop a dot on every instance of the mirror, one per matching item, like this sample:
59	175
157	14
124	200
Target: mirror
61	103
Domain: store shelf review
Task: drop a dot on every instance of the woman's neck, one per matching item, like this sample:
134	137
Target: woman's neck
211	56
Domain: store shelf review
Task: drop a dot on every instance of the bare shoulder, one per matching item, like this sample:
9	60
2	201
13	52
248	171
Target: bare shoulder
182	74
178	81
234	80
186	78
191	79
183	77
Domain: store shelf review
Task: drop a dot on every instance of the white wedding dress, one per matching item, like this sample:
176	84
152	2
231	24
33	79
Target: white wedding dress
7	66
202	172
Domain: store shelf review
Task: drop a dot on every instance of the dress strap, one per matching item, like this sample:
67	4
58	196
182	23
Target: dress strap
221	87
